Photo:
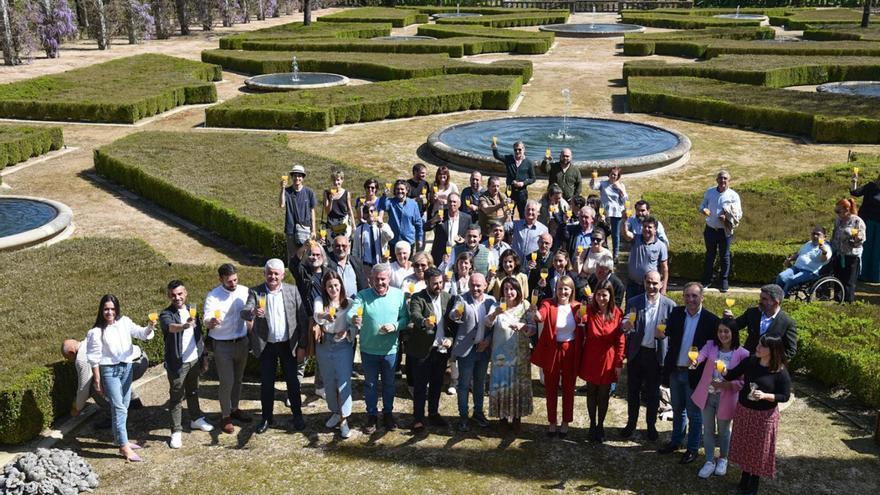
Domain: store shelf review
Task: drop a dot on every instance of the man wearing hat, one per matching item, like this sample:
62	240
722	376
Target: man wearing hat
298	203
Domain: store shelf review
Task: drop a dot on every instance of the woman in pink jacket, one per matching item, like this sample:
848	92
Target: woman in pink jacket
716	397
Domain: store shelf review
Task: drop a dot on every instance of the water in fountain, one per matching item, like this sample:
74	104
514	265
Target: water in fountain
295	69
562	134
458	9
737	10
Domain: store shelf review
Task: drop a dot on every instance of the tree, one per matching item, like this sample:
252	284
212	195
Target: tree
82	15
9	55
226	11
866	13
139	23
54	22
206	14
102	26
162	20
17	41
307	12
182	16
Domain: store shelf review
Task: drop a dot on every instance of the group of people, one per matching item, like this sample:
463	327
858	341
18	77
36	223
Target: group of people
492	296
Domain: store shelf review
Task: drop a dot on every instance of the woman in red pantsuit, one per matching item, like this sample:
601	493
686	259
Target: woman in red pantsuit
602	359
558	351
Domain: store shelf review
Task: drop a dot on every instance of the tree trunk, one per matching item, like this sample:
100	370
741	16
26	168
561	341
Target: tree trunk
877	429
9	57
182	16
866	14
227	13
244	5
130	24
82	17
307	12
102	31
160	17
261	12
206	15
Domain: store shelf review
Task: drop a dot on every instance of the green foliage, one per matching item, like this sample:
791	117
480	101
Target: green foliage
121	91
842	33
18	143
464	30
802	19
824	117
365	65
397	17
511	20
297	31
709	12
675	21
691	43
320	109
455	47
776	71
74	274
827	48
431	10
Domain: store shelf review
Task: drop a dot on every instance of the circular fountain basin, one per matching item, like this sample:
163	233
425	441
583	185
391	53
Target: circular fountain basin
866	89
596	144
592	30
283	81
453	15
401	37
26	221
745	17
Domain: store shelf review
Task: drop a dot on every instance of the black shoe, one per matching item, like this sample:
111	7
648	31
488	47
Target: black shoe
652	434
370	427
135	404
263	426
481	420
241	416
552	433
668	448
463	425
298	423
627	431
688	457
103	423
562	435
437	420
600	434
388	422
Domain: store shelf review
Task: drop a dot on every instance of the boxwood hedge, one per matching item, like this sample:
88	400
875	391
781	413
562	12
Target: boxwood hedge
124	90
691	41
296	30
511	20
712	47
397	17
842	33
364	65
802	19
467	30
774	71
675	21
18	143
320	109
826	118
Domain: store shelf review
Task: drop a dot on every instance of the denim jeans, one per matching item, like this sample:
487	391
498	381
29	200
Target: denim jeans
717	244
472	369
791	277
614	222
710	413
116	381
335	360
686	416
375	366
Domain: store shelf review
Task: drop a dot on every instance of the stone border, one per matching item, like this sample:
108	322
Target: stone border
61	224
834	87
253	82
675	156
454	15
404	37
565	33
765	21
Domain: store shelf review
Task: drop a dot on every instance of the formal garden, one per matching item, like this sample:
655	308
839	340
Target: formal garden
143	117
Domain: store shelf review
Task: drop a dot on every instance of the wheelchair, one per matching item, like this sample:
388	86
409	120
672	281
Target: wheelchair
826	288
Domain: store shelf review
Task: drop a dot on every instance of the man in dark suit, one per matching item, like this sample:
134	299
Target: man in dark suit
768	318
605	271
543	259
429	336
450	228
645	352
278	324
688	326
349	268
520	174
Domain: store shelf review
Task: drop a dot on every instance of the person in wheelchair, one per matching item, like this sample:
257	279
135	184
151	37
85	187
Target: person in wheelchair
804	266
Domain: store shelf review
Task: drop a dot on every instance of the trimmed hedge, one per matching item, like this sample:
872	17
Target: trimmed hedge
802	19
693	41
511	20
463	30
397	17
120	91
296	30
431	10
673	21
320	109
712	47
364	65
842	33
18	143
826	118
455	47
775	71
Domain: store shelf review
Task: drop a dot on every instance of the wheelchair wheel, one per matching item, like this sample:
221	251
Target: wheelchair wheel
828	289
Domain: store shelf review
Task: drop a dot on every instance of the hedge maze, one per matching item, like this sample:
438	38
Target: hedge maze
18	143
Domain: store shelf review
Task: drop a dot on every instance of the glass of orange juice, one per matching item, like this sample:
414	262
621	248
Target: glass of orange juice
153	316
693	353
432	319
193	311
588	291
262	301
719	365
217	314
544	274
503	306
331	310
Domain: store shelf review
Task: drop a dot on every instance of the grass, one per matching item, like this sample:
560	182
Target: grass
397	17
467	30
511	20
296	30
675	21
713	42
320	109
775	71
801	20
122	90
18	142
455	47
842	32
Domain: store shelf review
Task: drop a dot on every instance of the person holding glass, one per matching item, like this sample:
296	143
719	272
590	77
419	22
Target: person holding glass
335	350
756	419
110	353
613	195
847	242
717	397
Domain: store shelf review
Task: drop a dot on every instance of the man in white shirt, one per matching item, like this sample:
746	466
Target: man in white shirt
723	210
227	330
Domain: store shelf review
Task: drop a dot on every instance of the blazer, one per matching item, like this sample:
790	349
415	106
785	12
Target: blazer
382	236
419	339
634	339
466	335
174	341
707	325
360	273
294	311
782	326
545	292
544	354
441	234
729	392
592	281
525	172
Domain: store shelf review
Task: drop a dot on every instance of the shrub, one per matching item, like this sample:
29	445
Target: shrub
842	33
802	19
691	43
828	48
455	47
674	21
18	143
320	109
511	20
824	117
466	30
296	30
431	10
364	65
768	70
397	17
120	91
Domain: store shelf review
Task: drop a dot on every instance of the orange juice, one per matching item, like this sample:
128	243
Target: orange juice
412	288
729	302
595	174
547	153
494	141
432	319
491	242
154	316
719	365
332	311
216	314
504	306
359	311
192	311
534	256
588	291
693	353
262	302
544	274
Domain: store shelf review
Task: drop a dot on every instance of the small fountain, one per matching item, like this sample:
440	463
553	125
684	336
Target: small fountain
403	37
592	30
863	89
745	17
457	13
26	221
562	134
289	81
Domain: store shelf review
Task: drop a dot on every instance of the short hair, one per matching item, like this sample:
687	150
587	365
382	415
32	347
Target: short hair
776	346
554	189
819	228
698	285
734	332
493	224
273	264
476	172
651	220
402	181
723	173
643	202
773	291
337	173
495	178
226	270
577	202
519	143
370	182
380	268
403	245
534	203
475	227
418	166
432	272
464	255
566	280
174	284
450	195
423	255
606	262
588	210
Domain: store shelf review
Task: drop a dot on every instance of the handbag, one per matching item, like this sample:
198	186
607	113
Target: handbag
302	233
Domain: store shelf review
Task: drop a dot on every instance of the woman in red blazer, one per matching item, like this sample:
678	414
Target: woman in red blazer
602	359
558	351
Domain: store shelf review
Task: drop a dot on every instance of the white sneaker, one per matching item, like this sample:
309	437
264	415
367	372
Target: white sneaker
707	470
450	391
201	424
176	440
721	467
320	393
333	421
344	430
